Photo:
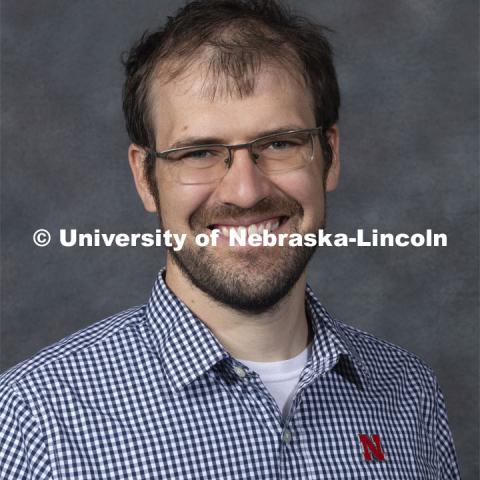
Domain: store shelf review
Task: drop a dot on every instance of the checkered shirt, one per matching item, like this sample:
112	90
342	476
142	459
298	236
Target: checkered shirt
151	394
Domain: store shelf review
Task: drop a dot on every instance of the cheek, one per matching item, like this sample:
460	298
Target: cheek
178	202
306	187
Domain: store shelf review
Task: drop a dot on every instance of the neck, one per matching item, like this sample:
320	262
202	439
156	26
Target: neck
278	334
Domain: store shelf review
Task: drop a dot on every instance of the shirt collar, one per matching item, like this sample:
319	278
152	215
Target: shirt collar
330	343
188	349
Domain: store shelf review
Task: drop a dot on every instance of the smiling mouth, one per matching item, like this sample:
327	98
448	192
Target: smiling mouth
268	225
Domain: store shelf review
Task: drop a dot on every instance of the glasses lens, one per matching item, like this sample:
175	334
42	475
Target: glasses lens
283	152
198	165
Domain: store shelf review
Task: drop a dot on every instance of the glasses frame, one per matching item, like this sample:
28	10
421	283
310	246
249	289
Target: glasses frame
231	147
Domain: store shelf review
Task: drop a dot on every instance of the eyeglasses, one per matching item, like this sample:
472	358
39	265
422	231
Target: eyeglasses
272	154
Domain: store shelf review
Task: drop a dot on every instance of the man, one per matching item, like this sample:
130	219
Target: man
233	369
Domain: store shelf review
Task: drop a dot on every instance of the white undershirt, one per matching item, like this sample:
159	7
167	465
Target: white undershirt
282	377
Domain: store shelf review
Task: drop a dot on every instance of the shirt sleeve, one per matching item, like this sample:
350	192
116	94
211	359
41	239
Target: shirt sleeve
23	452
448	467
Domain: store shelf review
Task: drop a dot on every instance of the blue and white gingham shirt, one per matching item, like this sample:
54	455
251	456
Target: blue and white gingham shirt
150	393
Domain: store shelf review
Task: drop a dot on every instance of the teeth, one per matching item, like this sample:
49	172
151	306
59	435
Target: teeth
274	225
268	226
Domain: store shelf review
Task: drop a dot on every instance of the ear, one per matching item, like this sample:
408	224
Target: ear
136	158
333	173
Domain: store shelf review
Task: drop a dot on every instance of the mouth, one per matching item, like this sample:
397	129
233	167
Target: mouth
249	226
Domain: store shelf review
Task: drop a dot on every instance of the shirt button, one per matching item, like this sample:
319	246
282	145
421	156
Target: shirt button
240	371
286	436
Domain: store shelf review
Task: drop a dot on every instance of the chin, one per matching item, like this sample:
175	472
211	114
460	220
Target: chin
253	280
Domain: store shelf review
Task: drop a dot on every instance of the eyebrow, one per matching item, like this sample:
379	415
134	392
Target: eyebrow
195	140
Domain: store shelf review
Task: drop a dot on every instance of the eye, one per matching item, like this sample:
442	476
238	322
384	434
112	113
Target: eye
281	144
197	155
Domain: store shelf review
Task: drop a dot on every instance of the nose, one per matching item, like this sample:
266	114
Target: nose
244	184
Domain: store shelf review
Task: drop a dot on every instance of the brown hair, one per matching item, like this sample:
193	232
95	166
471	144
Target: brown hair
238	36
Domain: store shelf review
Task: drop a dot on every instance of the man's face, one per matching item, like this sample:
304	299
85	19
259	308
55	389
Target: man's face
245	278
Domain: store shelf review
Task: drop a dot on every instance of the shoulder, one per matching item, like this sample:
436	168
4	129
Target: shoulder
87	342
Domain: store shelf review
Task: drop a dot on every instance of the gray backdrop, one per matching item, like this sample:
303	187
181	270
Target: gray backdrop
408	73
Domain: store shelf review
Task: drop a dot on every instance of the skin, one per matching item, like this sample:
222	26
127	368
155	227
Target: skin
182	109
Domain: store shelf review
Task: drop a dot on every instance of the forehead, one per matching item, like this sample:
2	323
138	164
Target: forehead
202	101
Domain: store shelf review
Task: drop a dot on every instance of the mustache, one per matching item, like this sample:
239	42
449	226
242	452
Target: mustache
268	206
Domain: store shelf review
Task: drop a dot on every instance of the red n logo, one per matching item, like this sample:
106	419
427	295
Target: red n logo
371	446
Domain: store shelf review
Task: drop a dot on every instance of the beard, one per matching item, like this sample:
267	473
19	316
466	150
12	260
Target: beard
252	280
